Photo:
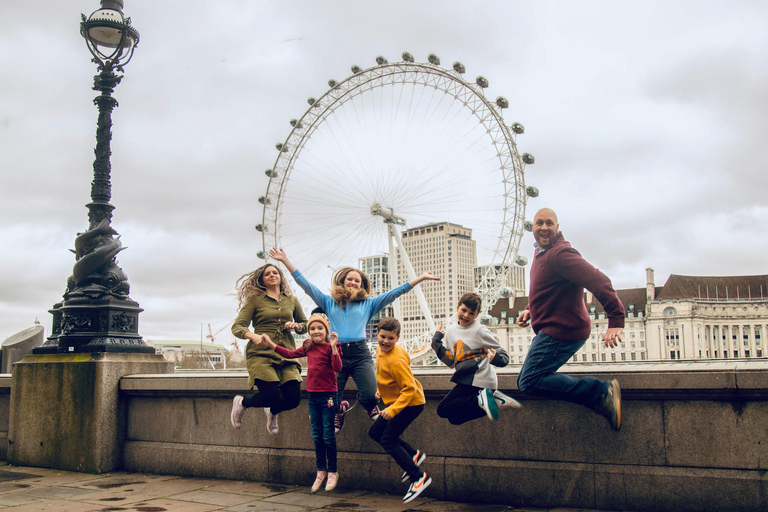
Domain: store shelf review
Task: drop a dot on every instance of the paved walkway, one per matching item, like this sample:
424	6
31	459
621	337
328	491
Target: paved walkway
26	489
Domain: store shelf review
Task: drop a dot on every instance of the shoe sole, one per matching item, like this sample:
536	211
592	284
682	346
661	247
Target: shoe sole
489	406
617	400
421	488
232	414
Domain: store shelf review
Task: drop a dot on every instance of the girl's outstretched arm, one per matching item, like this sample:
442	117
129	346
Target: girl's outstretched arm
426	276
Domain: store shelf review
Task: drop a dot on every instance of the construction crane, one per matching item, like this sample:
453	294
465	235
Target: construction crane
212	335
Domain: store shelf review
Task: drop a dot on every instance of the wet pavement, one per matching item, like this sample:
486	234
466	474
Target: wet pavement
27	489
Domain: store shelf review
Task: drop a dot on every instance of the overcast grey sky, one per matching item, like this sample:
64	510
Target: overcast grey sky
647	120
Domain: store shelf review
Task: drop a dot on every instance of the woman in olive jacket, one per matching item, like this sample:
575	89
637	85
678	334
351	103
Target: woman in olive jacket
267	304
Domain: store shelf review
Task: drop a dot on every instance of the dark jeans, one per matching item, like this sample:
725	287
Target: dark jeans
387	433
322	410
278	398
357	363
538	378
460	405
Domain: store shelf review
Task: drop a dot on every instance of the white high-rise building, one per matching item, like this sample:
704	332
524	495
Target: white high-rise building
377	269
448	251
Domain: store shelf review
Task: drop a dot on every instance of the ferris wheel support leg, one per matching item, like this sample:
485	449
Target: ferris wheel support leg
411	276
393	269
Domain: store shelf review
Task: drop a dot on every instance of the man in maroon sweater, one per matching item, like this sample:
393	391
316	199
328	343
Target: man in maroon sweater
561	322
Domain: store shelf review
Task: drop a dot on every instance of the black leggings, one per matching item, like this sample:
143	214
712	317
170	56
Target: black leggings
278	398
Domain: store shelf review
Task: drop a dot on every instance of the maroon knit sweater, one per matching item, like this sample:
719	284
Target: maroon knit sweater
556	302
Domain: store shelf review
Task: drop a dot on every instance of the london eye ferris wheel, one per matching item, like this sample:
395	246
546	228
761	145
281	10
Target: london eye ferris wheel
394	146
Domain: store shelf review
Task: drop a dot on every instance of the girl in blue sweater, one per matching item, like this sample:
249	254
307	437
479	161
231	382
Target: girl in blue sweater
350	307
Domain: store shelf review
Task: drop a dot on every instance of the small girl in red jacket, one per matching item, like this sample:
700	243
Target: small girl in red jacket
324	362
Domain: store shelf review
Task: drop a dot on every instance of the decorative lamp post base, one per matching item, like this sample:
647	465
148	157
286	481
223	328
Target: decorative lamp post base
95	325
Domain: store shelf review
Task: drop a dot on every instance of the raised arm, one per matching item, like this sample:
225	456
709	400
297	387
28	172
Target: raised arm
426	276
437	345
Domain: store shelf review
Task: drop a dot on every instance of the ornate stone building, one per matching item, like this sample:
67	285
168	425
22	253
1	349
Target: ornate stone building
690	317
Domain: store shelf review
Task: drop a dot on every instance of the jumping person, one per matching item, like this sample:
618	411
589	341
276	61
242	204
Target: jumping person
472	351
266	302
559	317
323	363
404	397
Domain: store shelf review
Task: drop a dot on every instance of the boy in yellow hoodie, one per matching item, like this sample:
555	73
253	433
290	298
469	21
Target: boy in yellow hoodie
404	398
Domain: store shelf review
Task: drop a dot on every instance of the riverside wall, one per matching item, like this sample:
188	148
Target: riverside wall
694	437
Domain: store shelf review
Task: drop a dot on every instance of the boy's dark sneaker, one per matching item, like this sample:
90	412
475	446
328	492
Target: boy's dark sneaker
338	421
503	400
487	402
610	407
417	459
374	413
417	487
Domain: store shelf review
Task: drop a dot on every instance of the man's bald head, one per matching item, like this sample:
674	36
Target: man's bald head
545	227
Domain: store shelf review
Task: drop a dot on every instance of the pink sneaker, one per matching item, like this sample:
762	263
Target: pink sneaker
333	479
236	417
318	482
338	421
271	421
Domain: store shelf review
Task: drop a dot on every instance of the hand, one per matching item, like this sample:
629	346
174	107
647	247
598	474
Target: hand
612	337
266	341
490	353
441	328
378	395
524	318
334	339
278	254
292	326
255	338
427	276
385	414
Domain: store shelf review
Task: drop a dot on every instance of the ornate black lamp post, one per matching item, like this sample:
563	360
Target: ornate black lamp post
97	315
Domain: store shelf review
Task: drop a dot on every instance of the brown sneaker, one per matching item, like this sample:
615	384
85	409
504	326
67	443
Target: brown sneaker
610	407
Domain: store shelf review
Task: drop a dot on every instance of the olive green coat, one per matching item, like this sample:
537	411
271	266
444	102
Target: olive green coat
268	316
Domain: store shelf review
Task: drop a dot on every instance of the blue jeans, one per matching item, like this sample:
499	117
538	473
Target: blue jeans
357	363
323	407
538	378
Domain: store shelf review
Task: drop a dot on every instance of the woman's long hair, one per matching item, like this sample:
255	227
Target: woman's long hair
252	283
342	295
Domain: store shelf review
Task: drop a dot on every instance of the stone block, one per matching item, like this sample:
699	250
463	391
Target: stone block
664	489
717	434
65	410
520	483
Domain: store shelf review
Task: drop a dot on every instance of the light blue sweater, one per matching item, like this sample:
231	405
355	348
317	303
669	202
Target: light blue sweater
349	322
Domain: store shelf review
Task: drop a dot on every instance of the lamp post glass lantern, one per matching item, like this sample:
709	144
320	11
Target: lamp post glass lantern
97	315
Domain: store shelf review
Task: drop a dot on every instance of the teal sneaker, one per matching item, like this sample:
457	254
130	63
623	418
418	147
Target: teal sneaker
487	402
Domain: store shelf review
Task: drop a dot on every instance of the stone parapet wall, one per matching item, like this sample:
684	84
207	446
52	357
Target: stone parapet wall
694	438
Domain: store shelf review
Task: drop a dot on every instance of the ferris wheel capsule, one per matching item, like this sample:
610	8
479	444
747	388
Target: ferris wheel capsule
486	319
264	200
270	173
507	292
259	228
459	67
407	57
502	102
518	128
528	158
295	123
381	60
311	101
356	69
333	83
521	260
481	81
260	255
433	59
528	225
532	191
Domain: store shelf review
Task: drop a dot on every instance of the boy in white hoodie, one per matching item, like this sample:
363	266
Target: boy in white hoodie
471	349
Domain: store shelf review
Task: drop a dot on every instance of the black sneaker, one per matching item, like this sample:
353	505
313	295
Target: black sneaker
417	488
417	459
610	407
